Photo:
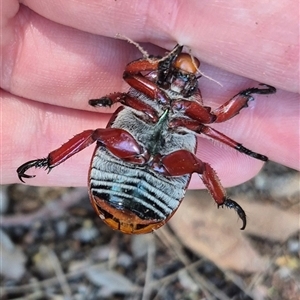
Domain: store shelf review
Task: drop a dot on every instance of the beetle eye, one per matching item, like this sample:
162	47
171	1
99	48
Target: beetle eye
187	63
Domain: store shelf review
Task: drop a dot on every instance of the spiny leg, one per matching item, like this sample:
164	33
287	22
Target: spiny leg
54	158
213	184
183	162
37	163
118	141
218	136
179	123
233	106
164	68
127	100
140	83
132	75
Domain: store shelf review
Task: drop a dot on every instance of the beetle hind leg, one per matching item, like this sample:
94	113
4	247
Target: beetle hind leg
241	213
183	162
213	184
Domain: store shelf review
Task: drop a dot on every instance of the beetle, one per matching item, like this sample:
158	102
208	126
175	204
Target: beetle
144	158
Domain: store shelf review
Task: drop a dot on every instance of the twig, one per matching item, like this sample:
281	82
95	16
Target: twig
150	267
167	238
51	210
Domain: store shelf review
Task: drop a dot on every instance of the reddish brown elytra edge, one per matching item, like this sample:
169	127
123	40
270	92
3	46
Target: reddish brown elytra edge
144	158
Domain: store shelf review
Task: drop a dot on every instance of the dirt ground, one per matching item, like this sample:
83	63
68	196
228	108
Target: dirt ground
53	246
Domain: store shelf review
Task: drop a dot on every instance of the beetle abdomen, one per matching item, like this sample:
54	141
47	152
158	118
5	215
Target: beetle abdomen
133	191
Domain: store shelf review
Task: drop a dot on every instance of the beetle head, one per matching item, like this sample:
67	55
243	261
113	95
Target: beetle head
177	72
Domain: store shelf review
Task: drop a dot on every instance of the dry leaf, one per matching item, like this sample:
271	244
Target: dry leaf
13	258
111	280
214	233
268	221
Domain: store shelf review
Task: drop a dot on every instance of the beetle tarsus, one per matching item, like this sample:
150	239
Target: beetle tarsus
37	163
268	90
241	213
246	151
102	102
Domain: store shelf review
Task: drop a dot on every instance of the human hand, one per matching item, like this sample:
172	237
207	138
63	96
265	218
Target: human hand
50	70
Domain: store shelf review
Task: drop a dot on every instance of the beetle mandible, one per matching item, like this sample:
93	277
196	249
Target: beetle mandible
144	158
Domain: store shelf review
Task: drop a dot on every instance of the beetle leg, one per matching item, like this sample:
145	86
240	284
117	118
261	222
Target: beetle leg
142	65
233	106
126	100
118	141
37	163
214	134
183	162
164	67
132	75
146	87
121	144
56	157
194	110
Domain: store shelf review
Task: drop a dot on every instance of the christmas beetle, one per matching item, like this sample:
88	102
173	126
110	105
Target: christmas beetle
145	157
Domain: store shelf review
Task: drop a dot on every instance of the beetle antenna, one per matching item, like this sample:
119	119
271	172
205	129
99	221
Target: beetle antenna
170	53
130	41
143	51
147	56
202	73
208	77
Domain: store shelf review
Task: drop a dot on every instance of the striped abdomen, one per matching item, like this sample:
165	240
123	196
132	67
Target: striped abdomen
131	198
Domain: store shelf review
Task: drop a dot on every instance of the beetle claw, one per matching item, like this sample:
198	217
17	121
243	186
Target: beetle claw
268	89
37	163
21	176
241	213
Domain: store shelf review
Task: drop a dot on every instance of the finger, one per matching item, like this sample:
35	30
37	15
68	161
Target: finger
59	65
65	65
42	128
9	9
245	38
33	129
270	124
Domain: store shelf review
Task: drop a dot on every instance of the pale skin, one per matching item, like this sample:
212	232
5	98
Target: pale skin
58	55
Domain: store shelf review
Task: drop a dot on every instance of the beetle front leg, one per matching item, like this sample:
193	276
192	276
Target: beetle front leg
163	65
194	110
183	162
118	141
147	87
132	74
232	107
127	100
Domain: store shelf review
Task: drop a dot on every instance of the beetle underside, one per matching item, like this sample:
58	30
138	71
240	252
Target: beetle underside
144	159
